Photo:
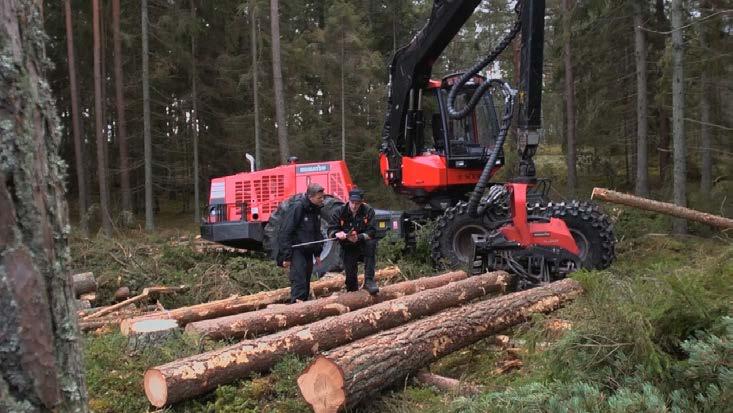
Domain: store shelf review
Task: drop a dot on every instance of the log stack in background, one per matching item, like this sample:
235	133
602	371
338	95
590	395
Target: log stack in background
273	319
241	304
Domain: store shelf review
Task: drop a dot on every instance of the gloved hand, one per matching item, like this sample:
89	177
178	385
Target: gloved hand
341	235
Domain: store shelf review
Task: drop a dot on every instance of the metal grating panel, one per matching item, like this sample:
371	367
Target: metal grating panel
334	183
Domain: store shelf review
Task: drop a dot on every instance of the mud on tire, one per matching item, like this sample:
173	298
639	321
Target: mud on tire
331	255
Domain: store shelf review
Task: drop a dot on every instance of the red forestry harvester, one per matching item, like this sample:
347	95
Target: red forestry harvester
442	142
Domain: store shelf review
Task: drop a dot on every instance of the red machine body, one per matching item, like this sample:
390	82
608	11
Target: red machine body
254	196
554	233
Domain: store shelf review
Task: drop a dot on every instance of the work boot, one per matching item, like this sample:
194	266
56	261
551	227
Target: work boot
371	286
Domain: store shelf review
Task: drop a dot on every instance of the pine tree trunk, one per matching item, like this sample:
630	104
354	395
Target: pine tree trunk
42	368
706	164
571	157
343	102
642	161
255	95
241	304
663	150
277	78
270	320
121	119
99	124
678	115
195	129
75	125
192	376
149	223
347	375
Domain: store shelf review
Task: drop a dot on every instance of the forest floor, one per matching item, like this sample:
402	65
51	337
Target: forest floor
654	332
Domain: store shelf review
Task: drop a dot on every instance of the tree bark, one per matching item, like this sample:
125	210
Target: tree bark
75	125
199	374
642	156
149	223
269	320
99	124
255	96
277	78
678	115
662	208
195	129
121	119
42	367
706	163
663	149
84	283
241	304
343	377
572	156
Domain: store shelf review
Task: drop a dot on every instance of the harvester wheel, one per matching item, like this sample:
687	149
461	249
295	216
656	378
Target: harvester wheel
591	228
331	255
451	244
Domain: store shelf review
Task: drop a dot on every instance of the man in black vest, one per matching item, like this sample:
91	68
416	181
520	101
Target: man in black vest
303	224
354	226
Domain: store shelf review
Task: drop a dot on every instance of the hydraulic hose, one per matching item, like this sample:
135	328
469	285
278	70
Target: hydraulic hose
509	94
453	113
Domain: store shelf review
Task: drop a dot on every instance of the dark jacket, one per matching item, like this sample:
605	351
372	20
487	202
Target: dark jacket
362	222
302	224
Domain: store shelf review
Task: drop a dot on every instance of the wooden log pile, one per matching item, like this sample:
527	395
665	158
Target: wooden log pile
273	319
192	376
241	304
343	377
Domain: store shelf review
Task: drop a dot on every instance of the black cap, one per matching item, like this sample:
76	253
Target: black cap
356	194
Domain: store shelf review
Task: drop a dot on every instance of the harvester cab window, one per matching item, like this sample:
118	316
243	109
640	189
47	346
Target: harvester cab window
433	131
469	136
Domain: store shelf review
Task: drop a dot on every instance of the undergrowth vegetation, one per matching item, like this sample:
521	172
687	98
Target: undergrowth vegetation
653	333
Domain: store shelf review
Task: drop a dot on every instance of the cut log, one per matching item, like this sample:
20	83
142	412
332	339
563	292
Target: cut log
241	304
446	383
147	292
347	375
83	305
661	207
84	283
195	375
150	333
273	319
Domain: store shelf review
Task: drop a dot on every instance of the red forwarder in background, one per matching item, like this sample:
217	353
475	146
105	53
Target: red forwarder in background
243	208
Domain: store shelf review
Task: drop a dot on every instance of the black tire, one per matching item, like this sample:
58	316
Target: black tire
591	229
331	255
451	244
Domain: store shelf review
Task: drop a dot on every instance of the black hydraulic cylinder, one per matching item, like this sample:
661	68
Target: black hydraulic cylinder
530	83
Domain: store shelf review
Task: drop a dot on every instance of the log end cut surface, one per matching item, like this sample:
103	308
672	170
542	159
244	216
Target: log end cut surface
156	387
322	386
151	326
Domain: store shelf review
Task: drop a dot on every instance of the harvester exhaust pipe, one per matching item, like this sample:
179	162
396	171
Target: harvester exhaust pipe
251	160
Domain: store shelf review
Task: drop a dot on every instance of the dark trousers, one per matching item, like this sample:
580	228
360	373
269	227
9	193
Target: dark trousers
301	267
352	253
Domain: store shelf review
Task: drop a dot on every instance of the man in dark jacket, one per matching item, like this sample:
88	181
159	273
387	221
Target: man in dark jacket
354	226
303	224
